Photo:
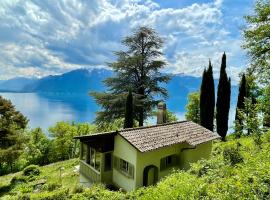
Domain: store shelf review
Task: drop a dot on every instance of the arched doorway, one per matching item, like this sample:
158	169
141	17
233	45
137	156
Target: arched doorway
150	175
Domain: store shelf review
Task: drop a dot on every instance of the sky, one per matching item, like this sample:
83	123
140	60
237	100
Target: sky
40	38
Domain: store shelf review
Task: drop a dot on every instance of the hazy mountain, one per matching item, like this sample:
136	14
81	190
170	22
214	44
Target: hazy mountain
16	84
84	80
76	81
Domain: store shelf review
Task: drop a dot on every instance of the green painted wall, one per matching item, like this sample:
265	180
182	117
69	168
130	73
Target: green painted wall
192	155
185	157
127	152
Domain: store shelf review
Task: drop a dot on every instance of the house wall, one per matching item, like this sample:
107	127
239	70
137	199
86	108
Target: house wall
153	158
189	156
127	152
185	158
106	176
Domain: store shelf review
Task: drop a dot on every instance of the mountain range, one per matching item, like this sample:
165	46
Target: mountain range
84	80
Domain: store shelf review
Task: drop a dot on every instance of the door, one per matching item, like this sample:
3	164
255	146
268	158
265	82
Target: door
150	175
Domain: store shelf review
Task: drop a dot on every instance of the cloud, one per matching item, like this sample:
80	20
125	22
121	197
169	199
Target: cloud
49	37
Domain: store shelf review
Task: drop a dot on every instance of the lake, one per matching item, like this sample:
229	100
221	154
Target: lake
45	109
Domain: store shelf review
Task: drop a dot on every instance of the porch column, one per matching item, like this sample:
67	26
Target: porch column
81	150
87	157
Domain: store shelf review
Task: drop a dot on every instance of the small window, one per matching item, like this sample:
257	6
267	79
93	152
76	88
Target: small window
124	167
108	162
169	161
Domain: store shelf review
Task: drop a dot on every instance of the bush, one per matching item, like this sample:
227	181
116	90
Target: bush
78	189
51	186
55	195
232	156
18	179
31	170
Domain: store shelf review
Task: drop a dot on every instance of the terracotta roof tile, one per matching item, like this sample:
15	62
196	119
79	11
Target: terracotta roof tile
157	136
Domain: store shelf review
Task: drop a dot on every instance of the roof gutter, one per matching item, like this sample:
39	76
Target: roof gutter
188	148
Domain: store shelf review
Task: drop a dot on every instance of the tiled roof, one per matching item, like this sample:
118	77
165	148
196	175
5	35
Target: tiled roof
153	137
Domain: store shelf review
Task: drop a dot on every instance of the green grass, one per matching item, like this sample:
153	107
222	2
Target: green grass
49	176
238	169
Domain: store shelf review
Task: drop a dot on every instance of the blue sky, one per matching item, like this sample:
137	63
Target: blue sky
39	38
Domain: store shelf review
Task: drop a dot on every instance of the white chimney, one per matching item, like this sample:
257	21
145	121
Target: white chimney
161	113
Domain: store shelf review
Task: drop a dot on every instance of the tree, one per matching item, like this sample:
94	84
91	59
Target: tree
264	104
63	140
12	125
223	100
129	111
136	69
193	107
242	94
38	150
257	40
207	99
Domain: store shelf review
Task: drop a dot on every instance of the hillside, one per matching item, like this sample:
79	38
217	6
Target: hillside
239	169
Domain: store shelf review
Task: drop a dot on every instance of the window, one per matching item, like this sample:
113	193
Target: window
169	161
124	167
95	158
108	162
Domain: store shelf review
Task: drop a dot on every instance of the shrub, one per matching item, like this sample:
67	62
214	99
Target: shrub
78	189
18	179
232	156
51	186
55	195
31	170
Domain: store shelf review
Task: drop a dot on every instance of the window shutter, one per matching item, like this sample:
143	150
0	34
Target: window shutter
116	162
175	159
131	170
162	163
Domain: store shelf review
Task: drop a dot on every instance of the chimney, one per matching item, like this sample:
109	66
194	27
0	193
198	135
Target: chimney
161	114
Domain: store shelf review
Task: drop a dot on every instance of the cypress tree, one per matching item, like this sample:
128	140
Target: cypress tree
129	111
207	99
203	100
223	100
240	101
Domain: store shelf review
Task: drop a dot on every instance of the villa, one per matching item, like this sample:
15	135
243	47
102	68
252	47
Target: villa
136	157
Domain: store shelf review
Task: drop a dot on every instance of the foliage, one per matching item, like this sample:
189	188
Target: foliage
63	143
240	104
193	107
257	41
223	100
264	106
136	69
232	156
129	111
207	99
12	138
39	148
31	170
237	170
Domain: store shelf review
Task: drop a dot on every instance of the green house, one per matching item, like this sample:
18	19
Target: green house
136	157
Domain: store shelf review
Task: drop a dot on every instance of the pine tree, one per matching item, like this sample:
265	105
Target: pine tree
207	99
137	68
223	100
240	104
129	111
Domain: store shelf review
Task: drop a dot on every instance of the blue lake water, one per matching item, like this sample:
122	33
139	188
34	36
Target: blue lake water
44	110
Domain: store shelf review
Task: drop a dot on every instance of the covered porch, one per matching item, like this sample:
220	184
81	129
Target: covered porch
96	158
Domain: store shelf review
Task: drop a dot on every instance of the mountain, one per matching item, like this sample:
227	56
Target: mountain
76	81
81	81
16	84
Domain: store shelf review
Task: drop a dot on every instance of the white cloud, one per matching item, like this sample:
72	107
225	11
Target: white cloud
48	37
